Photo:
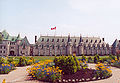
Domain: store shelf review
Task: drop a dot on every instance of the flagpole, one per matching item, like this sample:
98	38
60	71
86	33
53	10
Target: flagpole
55	42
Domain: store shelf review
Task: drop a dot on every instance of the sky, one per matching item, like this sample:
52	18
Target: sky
90	18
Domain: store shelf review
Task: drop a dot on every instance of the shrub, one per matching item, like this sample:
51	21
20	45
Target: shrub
22	61
89	59
68	64
83	65
31	61
10	59
2	60
83	58
45	71
96	58
111	57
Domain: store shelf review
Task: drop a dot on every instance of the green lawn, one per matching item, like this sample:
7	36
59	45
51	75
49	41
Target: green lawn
42	58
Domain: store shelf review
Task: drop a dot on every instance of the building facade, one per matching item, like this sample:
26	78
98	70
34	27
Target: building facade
63	45
14	45
56	45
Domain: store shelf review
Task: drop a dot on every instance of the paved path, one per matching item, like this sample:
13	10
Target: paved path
17	76
20	76
115	78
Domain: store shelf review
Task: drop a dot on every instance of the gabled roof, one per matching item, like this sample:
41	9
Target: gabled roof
24	41
85	40
6	36
116	42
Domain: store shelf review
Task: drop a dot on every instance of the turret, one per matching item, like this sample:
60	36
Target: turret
69	46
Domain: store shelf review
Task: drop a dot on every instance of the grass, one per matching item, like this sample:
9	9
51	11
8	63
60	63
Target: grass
42	58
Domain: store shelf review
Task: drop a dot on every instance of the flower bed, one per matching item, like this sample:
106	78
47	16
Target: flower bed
101	72
115	63
45	71
6	68
68	69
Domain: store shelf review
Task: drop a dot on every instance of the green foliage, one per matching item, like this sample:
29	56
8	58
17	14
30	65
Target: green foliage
96	58
31	61
10	59
111	57
89	59
1	39
68	64
2	60
22	61
84	58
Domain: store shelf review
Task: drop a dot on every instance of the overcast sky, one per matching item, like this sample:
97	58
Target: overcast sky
36	17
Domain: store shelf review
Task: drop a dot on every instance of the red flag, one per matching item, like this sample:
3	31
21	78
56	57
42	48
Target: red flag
53	28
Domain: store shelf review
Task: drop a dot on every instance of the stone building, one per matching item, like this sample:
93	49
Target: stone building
116	47
55	45
14	45
63	45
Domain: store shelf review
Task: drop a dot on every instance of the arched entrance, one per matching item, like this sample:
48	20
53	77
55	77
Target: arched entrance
12	53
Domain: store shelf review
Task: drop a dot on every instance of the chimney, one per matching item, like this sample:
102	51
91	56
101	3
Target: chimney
103	39
35	39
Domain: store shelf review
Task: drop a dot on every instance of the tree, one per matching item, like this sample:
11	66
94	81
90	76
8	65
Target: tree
1	39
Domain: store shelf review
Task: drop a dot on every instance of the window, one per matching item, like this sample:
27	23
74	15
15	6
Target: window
42	39
47	46
52	46
12	47
91	41
36	46
62	40
84	47
24	46
47	40
52	40
42	46
4	47
4	52
95	41
58	47
75	40
86	40
57	40
0	51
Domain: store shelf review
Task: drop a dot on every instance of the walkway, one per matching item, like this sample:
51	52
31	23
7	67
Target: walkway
20	76
17	76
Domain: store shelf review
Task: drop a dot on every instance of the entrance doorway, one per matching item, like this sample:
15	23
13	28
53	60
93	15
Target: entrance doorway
12	53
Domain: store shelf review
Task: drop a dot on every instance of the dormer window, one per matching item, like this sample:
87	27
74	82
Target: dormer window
57	40
47	40
86	40
91	41
100	41
42	39
52	40
62	40
95	41
75	40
